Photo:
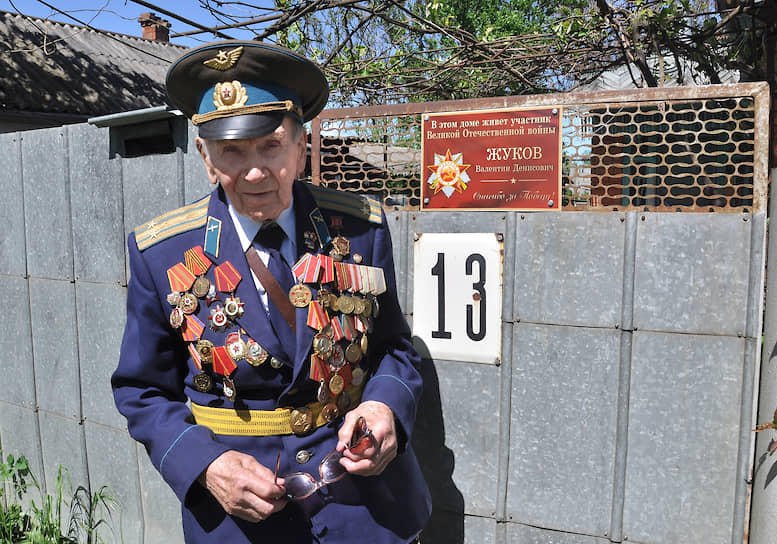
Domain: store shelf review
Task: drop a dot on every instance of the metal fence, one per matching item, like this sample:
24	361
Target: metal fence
622	406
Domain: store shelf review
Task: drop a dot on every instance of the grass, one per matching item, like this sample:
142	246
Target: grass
66	517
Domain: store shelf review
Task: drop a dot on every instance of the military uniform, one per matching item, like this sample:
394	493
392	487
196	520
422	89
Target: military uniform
206	368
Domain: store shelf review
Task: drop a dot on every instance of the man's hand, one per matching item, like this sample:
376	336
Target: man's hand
243	486
382	449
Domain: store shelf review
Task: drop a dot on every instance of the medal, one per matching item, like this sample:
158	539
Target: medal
343	402
196	261
202	382
337	359
204	348
310	240
329	412
235	346
180	278
218	319
174	298
340	247
188	303
211	296
357	376
353	353
300	296
327	269
201	287
233	308
222	362
319	371
336	384
322	395
375	306
358	305
176	318
345	304
364	344
255	354
229	388
322	345
301	420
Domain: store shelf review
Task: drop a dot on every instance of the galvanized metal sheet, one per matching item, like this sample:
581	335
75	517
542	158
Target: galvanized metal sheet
457	435
47	204
151	188
123	483
19	435
568	268
562	438
13	257
196	183
522	534
16	344
692	273
397	225
62	444
451	222
684	428
96	202
101	319
53	313
457	527
161	508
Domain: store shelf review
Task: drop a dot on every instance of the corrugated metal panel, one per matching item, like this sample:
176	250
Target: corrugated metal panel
54	67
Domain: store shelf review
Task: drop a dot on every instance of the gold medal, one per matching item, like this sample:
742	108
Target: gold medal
329	412
336	384
353	353
300	296
367	307
358	306
301	420
233	308
345	304
205	350
188	303
202	382
201	287
364	344
255	353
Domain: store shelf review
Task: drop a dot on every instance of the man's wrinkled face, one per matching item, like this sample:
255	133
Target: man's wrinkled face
257	173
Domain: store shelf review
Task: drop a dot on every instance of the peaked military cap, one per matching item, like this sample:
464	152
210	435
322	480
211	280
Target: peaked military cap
242	89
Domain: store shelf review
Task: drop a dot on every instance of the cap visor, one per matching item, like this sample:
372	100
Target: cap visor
241	126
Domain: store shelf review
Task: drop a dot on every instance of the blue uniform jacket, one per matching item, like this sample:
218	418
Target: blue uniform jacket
154	380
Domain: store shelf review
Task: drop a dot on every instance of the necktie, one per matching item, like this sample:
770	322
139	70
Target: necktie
270	238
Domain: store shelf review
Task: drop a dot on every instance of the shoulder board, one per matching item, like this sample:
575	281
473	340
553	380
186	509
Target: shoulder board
175	222
363	207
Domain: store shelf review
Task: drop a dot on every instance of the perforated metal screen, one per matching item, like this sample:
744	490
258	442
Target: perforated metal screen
693	149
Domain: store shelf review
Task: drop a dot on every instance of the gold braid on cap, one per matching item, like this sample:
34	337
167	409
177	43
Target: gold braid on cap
286	105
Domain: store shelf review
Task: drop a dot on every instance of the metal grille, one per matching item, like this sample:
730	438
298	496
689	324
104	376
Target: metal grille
694	149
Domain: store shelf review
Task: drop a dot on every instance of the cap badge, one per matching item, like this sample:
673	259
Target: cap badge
224	59
229	95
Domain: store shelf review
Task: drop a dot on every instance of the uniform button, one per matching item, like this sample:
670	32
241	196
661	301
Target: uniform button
303	456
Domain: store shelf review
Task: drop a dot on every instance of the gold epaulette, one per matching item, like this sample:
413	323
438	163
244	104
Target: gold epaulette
363	207
175	222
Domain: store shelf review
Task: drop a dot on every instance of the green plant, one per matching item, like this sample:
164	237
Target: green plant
43	523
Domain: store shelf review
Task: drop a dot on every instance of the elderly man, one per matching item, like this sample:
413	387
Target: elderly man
266	365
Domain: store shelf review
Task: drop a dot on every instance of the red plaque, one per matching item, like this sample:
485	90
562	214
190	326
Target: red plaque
495	159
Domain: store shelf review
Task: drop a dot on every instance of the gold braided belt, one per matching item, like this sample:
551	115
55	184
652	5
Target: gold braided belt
281	421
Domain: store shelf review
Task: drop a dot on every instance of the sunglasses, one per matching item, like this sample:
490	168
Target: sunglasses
301	485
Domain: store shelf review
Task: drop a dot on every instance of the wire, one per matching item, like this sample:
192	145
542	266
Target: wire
182	19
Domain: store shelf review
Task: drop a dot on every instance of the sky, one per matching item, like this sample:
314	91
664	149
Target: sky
121	15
